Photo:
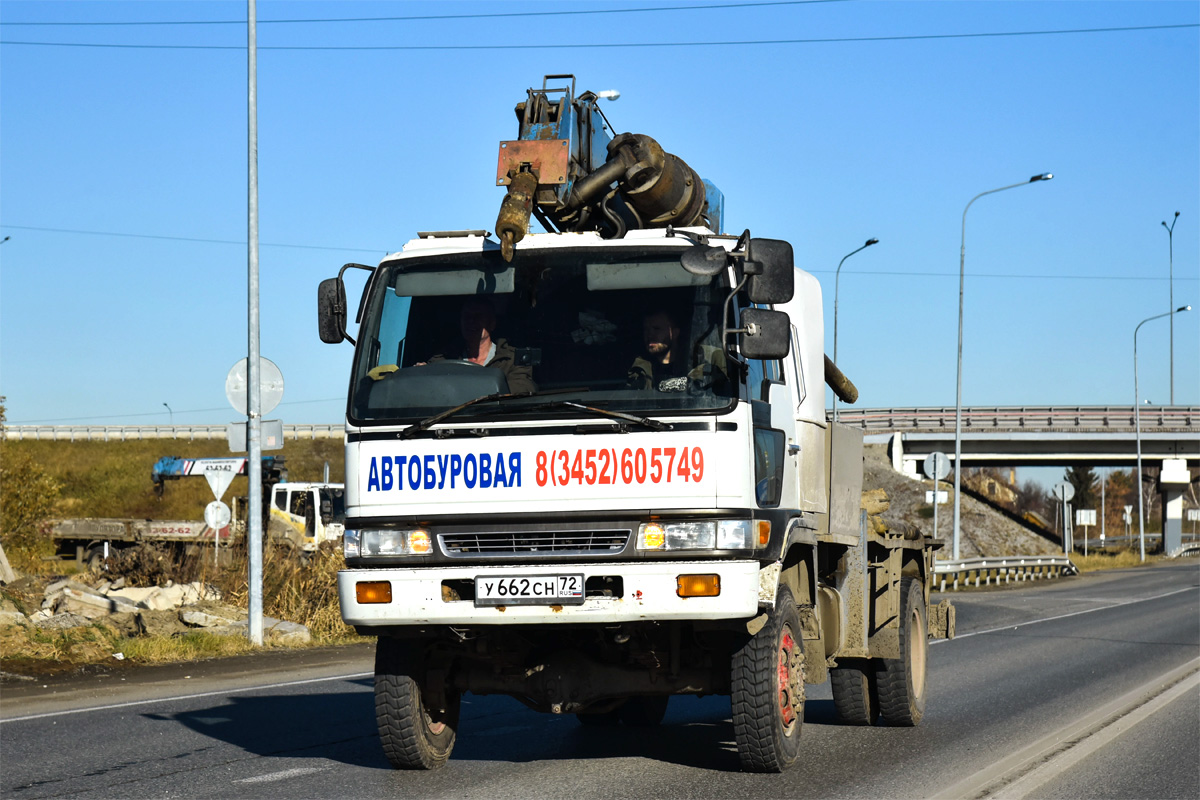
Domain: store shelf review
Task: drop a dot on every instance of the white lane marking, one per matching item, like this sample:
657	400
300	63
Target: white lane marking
1063	761
1006	771
1062	616
282	776
174	698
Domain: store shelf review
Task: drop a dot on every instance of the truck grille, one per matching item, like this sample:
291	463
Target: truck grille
548	543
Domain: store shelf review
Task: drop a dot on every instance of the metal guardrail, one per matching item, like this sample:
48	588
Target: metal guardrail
1004	569
121	433
1154	419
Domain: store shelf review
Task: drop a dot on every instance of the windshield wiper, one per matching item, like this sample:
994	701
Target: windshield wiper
647	422
428	422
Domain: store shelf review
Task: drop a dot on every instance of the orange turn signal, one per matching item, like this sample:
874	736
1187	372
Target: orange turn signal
698	585
374	592
764	532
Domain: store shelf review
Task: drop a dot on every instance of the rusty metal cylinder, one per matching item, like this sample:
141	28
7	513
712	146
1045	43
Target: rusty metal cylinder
845	390
661	187
513	221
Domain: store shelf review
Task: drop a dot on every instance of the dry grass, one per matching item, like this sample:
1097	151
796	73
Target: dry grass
1116	559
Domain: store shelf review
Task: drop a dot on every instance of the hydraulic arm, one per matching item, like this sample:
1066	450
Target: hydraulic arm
568	171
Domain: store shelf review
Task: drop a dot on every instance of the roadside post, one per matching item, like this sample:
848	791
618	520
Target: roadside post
937	467
216	517
1128	517
1064	492
254	392
1086	517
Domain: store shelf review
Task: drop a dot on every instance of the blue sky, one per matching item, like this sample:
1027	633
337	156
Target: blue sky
823	143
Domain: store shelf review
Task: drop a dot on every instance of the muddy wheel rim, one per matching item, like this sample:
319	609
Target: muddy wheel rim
917	646
790	681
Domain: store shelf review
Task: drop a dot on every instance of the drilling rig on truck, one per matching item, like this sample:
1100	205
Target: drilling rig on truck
627	490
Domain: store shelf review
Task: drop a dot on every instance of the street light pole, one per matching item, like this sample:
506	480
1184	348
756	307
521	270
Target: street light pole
836	277
1137	426
1171	295
172	413
962	261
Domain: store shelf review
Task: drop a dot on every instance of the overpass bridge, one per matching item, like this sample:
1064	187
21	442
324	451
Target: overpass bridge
1030	436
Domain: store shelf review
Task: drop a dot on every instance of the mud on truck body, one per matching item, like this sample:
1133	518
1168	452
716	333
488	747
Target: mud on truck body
608	539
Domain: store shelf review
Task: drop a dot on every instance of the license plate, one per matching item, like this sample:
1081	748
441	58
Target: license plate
515	590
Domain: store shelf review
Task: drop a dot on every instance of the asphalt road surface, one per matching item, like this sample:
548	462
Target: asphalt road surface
1086	687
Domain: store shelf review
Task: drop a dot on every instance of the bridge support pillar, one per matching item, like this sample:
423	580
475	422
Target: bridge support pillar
905	466
1172	482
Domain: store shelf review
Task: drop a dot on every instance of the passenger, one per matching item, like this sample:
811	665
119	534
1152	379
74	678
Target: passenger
665	366
662	366
477	321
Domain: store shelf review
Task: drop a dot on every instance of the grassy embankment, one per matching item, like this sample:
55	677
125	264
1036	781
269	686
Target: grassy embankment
112	479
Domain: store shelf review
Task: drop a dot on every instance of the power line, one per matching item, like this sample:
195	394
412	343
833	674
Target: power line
616	45
1043	276
189	239
424	17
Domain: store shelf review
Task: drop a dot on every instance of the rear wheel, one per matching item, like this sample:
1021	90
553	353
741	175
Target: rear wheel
768	691
413	735
902	680
855	695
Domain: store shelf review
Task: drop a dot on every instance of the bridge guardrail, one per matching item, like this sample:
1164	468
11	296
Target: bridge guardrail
1032	418
1007	568
122	432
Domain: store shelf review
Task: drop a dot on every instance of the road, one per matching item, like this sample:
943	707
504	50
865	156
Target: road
1085	687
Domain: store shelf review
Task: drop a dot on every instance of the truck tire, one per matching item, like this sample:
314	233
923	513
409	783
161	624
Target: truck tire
902	680
413	737
855	695
645	712
768	691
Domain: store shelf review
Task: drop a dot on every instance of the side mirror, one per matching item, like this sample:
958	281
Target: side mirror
766	334
776	282
331	310
701	260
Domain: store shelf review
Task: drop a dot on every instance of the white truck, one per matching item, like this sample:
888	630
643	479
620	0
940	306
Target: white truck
630	528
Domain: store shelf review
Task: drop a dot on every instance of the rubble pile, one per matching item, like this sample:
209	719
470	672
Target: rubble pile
169	610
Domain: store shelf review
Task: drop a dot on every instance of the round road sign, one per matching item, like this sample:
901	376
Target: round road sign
270	386
217	515
936	465
1064	491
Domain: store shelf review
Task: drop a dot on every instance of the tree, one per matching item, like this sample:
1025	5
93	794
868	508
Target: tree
27	495
1083	479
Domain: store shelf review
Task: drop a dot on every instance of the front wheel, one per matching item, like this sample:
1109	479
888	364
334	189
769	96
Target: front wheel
413	735
768	691
902	680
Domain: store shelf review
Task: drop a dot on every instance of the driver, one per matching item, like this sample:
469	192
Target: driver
477	320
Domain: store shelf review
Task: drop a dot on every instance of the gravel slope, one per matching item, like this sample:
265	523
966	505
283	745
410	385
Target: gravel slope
985	532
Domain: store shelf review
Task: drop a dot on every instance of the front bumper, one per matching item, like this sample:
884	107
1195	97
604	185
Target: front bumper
649	594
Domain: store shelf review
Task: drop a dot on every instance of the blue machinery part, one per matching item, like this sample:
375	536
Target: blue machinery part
174	467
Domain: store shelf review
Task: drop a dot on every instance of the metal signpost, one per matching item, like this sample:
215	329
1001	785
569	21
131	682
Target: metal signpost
1086	517
216	517
1064	492
937	467
254	468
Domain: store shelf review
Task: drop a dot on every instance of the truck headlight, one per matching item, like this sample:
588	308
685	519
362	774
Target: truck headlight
350	543
368	543
726	534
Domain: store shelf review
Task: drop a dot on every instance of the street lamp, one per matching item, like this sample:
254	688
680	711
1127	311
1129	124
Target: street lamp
1171	294
172	413
962	261
1137	426
836	276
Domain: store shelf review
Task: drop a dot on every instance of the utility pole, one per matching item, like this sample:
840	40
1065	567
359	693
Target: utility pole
254	429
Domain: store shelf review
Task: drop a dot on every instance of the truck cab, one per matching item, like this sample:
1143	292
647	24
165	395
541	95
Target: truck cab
307	514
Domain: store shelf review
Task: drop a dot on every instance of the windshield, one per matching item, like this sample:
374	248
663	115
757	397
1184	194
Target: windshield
335	500
615	329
